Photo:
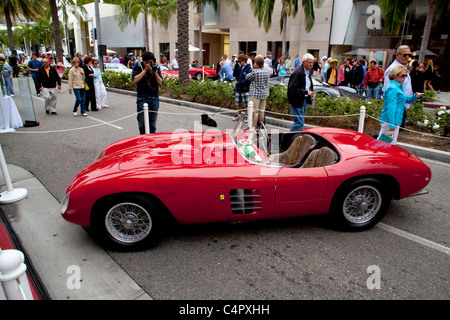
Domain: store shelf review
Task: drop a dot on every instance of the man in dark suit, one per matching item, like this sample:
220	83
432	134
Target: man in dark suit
48	79
300	91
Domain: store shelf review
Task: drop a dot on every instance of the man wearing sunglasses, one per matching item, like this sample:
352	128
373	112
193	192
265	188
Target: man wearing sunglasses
402	56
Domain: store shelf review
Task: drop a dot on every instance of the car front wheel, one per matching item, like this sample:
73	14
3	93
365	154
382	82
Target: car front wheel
361	204
127	223
198	76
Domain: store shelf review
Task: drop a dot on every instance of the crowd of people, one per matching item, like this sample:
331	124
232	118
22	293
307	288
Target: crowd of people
403	82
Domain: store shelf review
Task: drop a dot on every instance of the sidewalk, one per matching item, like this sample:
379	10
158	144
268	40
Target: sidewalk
442	99
58	250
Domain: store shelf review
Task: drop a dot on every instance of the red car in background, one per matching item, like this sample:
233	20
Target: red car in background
195	71
138	184
166	72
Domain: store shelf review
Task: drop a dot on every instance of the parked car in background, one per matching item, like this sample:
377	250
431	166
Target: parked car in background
196	72
320	87
166	72
117	67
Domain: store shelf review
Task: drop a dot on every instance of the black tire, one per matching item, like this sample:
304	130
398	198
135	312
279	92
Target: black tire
198	76
360	204
127	223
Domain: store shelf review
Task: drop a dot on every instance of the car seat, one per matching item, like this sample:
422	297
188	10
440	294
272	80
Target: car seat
296	151
320	158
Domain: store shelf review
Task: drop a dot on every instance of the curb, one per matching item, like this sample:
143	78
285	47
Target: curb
417	150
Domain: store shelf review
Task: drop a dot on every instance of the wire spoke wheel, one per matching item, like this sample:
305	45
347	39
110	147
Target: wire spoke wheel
362	204
128	222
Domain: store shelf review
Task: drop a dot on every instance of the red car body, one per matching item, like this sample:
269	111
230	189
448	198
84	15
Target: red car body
195	72
195	175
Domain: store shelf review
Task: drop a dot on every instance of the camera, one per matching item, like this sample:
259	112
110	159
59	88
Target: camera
153	65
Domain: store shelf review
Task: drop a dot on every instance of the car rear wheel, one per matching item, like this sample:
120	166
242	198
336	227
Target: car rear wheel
128	223
361	204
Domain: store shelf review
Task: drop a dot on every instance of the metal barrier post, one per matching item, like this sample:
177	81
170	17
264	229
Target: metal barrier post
146	120
362	116
250	115
13	277
11	195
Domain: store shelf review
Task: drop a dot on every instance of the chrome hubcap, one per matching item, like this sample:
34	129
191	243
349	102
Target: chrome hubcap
128	222
362	204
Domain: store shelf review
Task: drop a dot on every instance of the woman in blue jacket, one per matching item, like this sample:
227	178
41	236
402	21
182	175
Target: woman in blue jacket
394	104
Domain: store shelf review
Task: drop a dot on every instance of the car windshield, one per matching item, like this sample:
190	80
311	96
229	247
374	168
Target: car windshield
318	82
252	146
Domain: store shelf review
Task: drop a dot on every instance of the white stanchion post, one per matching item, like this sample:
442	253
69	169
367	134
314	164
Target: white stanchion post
362	116
203	74
13	277
11	195
146	119
250	115
8	128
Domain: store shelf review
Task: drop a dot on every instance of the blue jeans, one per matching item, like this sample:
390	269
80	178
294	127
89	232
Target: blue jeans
34	76
9	85
373	93
299	116
80	96
153	107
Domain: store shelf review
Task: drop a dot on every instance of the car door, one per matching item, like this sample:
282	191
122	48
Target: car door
300	191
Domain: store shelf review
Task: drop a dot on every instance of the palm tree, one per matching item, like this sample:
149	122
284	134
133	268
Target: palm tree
158	9
56	30
11	9
199	6
263	10
183	41
394	16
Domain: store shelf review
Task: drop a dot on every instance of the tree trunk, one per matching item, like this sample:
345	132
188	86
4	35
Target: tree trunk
200	37
183	41
12	45
56	30
146	33
427	31
283	46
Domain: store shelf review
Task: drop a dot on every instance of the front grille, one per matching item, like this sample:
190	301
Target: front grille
245	201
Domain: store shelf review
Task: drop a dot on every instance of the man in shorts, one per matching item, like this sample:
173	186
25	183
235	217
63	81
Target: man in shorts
259	89
242	85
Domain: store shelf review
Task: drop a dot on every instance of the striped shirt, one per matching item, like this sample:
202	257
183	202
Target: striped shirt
259	86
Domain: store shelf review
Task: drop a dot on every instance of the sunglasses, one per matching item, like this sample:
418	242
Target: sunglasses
407	55
404	75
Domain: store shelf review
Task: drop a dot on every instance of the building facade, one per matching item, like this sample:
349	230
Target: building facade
343	28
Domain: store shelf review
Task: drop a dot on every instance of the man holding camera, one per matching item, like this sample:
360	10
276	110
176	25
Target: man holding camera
148	78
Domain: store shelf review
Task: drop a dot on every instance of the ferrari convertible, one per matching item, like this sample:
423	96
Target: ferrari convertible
136	185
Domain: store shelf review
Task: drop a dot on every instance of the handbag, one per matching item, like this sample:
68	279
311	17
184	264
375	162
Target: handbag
372	85
86	87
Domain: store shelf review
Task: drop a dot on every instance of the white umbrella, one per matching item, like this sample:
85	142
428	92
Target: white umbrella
110	51
51	52
192	49
427	53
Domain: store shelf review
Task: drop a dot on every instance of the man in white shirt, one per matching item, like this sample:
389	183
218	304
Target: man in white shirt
402	56
175	63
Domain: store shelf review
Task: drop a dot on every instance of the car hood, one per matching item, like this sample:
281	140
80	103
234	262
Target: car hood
174	150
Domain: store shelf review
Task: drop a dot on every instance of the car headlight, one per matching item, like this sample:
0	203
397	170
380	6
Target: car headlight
65	203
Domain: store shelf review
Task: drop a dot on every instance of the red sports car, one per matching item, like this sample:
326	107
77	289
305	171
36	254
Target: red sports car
196	72
137	184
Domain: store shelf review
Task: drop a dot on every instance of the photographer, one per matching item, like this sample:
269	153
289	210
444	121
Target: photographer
148	77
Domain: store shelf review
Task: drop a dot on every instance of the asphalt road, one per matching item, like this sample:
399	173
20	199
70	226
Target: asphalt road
404	257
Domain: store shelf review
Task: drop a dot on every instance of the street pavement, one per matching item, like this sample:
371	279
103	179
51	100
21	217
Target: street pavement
70	264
